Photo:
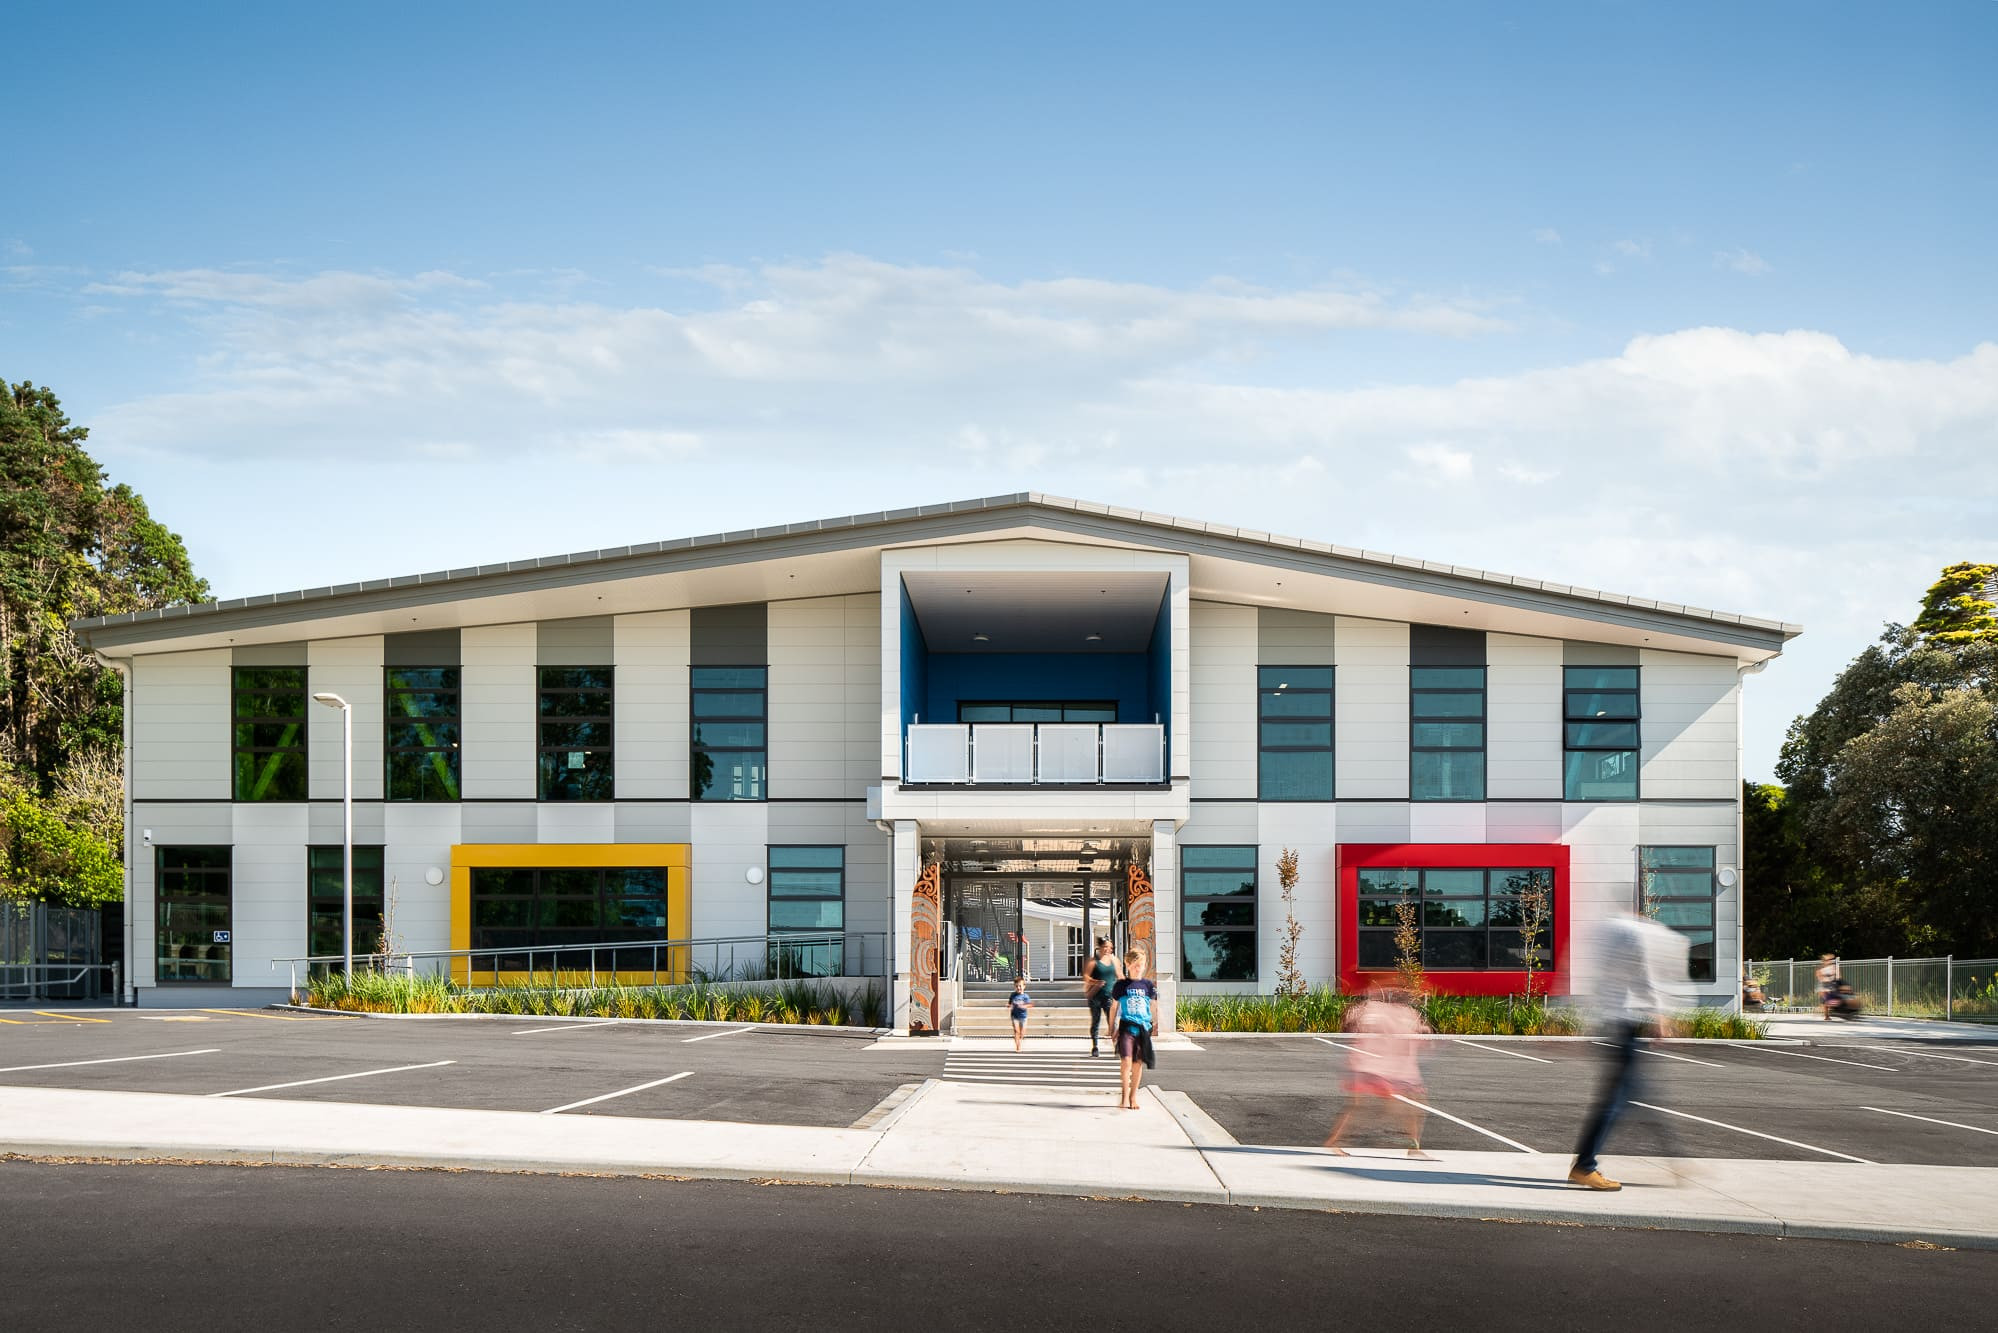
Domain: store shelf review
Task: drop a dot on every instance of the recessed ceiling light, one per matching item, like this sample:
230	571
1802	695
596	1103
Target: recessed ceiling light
1092	638
981	638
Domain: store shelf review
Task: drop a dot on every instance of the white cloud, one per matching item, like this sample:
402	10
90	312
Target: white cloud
1547	236
1741	261
1439	464
1633	249
1527	476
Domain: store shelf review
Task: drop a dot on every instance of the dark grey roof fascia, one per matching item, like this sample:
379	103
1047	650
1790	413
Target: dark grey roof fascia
931	522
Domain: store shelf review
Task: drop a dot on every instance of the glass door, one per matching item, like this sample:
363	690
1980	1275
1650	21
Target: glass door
987	916
192	892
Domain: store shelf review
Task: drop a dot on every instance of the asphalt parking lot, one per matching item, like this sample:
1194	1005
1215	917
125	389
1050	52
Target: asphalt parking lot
718	1072
1854	1096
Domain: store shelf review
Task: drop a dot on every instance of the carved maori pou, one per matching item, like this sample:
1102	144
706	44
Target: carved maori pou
925	926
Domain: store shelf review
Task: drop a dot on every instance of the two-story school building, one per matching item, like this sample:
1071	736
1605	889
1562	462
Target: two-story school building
976	733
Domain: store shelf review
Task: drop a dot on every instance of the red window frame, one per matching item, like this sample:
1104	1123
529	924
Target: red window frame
1355	857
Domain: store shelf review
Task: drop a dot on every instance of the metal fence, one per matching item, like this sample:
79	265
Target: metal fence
1948	988
53	953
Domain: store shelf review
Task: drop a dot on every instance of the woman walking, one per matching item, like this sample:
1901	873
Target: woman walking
1137	1008
1104	973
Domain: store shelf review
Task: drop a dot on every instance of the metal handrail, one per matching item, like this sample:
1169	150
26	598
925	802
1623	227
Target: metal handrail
38	977
771	951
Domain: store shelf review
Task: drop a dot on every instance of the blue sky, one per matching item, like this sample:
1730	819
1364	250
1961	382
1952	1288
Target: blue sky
1688	301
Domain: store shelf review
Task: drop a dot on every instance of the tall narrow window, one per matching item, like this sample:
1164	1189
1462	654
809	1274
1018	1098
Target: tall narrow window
269	734
1600	707
575	710
1294	733
326	901
191	895
731	733
808	897
422	727
1217	929
1675	887
1446	751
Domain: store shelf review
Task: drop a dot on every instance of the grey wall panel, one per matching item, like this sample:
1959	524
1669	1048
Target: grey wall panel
1576	653
1294	638
1445	645
500	821
650	821
269	654
422	648
731	635
584	641
323	823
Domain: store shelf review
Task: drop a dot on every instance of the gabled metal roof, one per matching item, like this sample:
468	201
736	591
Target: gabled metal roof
957	519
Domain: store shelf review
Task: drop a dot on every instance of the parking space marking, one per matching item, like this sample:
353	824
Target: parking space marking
111	1060
621	1092
563	1027
1344	1047
1931	1119
1722	1124
1931	1055
1666	1055
68	1018
710	1036
330	1078
1770	1050
1521	1055
37	1022
1456	1120
282	1018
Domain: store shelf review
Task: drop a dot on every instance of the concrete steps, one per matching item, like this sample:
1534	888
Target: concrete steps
1060	1010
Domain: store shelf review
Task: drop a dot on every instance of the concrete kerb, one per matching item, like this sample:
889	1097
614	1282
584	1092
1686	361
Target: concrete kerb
1335	1033
588	1020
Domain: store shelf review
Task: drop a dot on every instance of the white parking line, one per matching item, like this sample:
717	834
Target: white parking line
331	1078
1666	1055
113	1060
1520	1055
565	1027
621	1092
1951	1123
1344	1047
1722	1124
1931	1055
710	1036
1510	1143
1771	1050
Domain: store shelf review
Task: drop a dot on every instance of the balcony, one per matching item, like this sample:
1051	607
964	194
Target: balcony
1040	754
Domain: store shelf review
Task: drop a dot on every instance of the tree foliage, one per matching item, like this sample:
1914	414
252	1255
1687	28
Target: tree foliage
1962	606
1885	838
71	545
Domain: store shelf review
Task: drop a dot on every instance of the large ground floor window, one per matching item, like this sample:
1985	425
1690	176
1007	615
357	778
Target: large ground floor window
1676	888
1473	909
192	900
538	907
1217	929
807	898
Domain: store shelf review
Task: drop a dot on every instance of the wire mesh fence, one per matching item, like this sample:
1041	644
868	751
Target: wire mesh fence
1958	988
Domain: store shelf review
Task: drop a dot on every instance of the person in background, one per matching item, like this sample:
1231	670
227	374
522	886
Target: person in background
1104	972
1137	1019
1383	1068
1829	978
1017	1005
1639	965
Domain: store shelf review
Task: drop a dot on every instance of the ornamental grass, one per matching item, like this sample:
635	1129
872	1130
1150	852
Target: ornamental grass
800	1001
1324	1010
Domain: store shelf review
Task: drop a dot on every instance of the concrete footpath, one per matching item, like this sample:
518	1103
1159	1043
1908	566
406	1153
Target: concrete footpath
1026	1139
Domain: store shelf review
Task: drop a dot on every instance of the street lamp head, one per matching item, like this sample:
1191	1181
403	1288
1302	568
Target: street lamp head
331	700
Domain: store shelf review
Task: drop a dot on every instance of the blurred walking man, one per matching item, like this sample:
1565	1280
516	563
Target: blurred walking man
1639	966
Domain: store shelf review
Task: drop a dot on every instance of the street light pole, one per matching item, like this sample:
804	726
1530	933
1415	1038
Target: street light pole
347	824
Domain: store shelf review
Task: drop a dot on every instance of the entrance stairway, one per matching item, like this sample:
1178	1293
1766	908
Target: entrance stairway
1060	1010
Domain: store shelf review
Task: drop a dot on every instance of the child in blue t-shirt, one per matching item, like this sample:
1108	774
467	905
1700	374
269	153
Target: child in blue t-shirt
1137	1020
1018	1003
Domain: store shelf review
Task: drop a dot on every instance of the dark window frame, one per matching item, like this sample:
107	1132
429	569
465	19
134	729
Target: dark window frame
1482	719
1250	868
392	721
162	900
1330	748
698	749
1570	719
1063	704
330	900
544	751
237	720
813	959
1487	899
543	935
1648	898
